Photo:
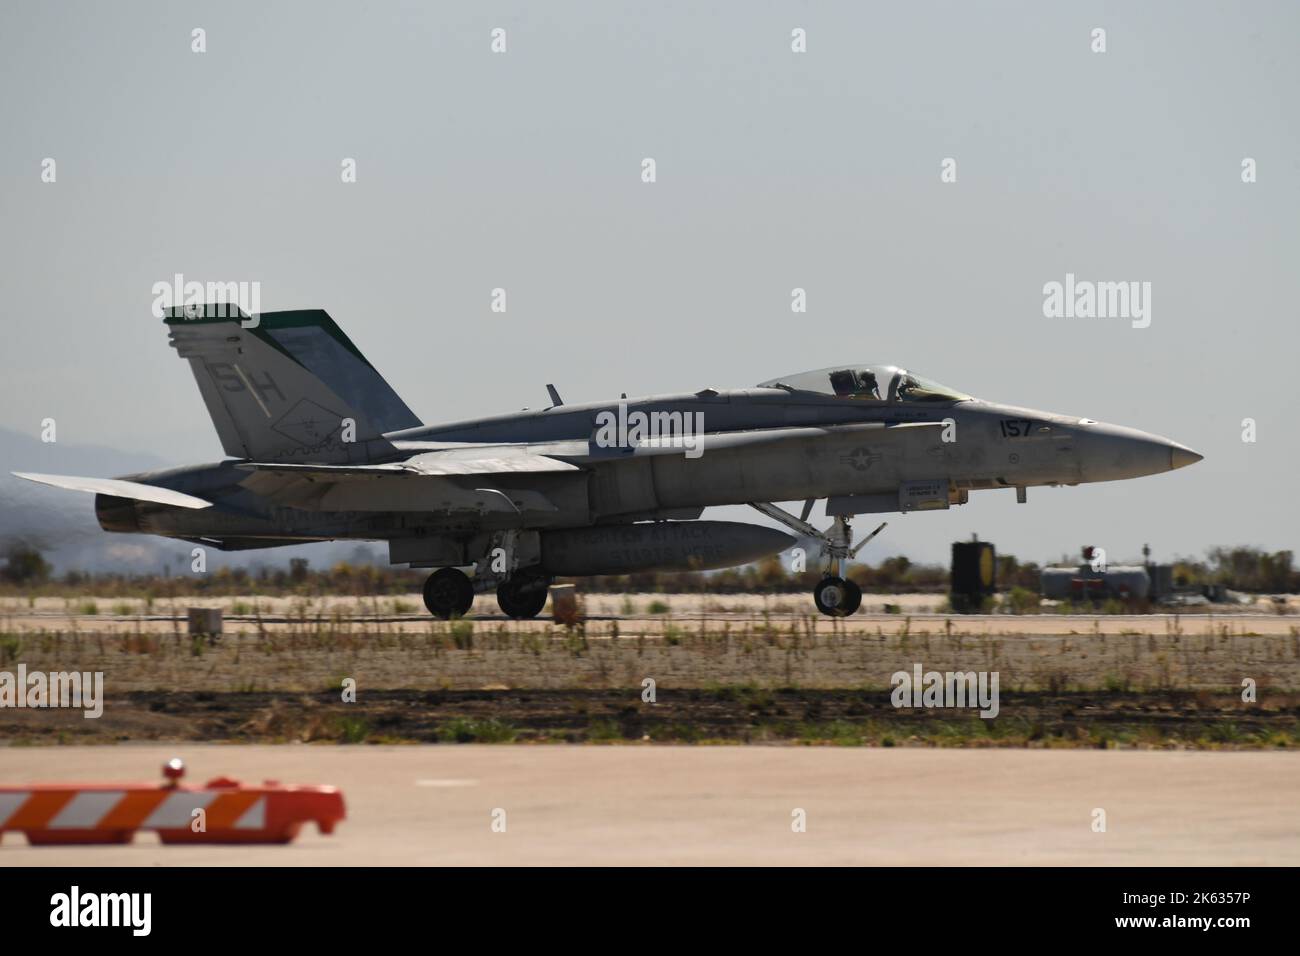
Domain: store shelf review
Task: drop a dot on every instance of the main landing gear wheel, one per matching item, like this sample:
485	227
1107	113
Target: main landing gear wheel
448	593
836	597
522	595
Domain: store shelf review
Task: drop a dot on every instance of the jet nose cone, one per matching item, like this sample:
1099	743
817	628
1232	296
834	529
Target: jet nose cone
1111	452
1180	456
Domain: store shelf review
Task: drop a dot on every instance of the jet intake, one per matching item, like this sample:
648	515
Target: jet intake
117	514
658	546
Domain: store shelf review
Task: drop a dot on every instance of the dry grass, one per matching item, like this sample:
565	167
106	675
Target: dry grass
753	672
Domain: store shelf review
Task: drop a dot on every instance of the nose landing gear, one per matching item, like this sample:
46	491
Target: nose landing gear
835	596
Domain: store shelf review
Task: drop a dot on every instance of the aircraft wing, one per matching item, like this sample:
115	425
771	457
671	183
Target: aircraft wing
467	477
441	459
118	488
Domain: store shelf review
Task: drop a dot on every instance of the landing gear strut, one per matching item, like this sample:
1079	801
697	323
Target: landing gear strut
448	593
523	595
834	595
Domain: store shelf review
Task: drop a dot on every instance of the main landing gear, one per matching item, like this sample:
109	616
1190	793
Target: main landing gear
448	593
523	594
834	595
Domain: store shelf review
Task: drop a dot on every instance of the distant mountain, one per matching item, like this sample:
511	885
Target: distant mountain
62	523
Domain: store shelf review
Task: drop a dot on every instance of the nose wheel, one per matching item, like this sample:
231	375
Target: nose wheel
834	595
448	593
837	597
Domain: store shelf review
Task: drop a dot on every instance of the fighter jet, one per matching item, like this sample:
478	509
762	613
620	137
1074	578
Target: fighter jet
320	448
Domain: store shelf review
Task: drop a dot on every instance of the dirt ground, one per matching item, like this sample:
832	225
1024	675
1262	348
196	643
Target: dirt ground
1169	720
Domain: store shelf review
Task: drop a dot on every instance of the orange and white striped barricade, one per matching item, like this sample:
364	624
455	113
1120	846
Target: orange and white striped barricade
221	811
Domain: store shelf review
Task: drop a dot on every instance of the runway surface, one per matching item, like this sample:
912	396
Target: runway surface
637	805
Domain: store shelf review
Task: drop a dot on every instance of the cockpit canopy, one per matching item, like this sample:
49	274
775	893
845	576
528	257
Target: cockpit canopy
876	383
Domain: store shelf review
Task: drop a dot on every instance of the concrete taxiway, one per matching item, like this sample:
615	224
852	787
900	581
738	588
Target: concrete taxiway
636	805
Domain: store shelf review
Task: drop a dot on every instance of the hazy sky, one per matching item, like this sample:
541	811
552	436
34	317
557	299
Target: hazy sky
775	170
